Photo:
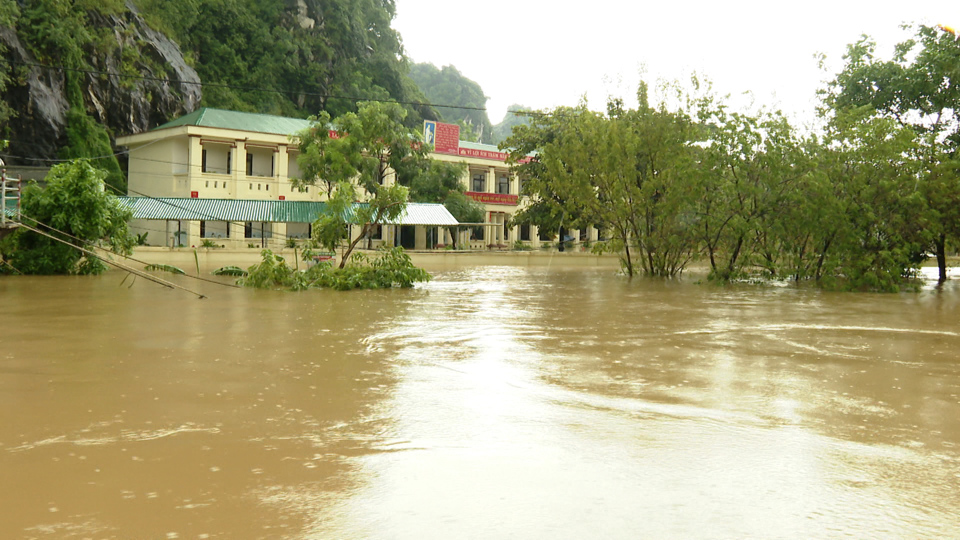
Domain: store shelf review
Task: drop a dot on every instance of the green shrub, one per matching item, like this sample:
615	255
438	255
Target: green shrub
390	268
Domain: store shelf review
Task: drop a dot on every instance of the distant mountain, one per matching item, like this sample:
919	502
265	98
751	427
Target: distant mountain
447	86
502	130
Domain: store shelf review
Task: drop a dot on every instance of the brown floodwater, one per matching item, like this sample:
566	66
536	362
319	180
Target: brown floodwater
492	402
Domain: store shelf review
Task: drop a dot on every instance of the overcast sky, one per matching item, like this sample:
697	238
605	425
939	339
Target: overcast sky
543	53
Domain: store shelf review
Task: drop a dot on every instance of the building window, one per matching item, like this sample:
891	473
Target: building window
206	183
525	232
229	160
506	229
203	160
268	187
480	182
249	164
251	186
248	229
273	163
478	233
215	183
203	229
259	187
503	185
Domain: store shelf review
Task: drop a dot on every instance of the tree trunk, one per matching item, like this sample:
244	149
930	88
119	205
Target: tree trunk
626	250
454	232
941	245
734	256
353	244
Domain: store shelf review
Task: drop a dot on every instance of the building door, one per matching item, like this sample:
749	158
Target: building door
407	236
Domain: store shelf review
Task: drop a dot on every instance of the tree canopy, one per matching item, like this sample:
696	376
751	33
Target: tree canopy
918	89
78	211
683	177
361	149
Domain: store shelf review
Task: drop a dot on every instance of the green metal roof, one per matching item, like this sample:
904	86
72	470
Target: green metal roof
224	209
259	210
479	146
260	123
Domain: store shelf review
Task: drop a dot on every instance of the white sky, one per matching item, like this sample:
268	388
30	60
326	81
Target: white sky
542	53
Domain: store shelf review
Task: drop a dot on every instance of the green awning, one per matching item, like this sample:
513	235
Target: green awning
241	210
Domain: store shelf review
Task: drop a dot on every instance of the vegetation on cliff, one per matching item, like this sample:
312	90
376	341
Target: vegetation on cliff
76	73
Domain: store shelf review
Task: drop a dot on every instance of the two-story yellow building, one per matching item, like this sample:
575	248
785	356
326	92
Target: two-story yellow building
225	177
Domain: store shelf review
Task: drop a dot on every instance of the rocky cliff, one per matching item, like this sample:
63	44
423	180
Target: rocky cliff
141	81
74	74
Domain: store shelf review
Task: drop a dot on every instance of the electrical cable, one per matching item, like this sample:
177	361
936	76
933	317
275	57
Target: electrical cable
93	245
131	270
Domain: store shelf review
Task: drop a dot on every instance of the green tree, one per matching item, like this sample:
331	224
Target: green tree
630	170
463	209
918	89
368	147
851	222
75	204
748	165
330	229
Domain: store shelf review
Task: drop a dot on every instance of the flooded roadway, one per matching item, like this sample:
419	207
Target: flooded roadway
492	402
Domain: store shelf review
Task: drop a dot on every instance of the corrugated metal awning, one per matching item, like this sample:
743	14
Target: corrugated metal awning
168	208
427	214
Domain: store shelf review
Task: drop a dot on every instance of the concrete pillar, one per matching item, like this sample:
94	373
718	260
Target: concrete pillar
492	180
279	233
593	233
420	238
238	165
236	233
194	166
355	231
535	236
193	234
281	165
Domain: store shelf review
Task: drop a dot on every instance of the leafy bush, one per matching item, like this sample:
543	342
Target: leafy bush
229	271
77	210
390	268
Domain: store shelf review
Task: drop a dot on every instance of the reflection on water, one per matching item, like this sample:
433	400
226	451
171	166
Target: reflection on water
550	402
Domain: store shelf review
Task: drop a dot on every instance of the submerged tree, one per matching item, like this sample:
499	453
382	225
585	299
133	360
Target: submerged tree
918	88
365	149
628	169
74	208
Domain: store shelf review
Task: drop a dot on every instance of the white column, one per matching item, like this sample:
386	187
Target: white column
238	164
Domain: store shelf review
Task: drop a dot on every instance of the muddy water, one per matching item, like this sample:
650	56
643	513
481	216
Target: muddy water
493	402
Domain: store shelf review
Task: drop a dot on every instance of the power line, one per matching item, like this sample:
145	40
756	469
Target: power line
133	271
92	244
